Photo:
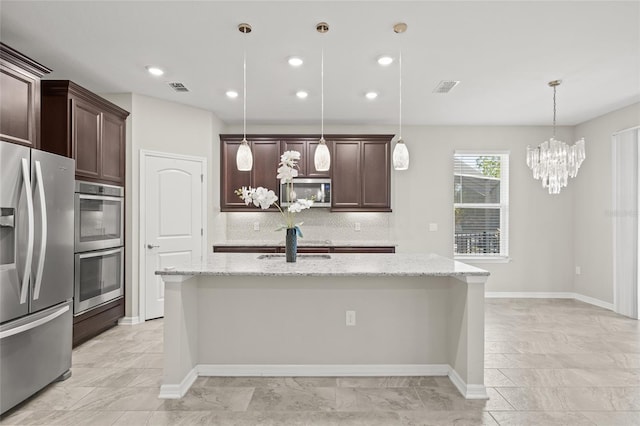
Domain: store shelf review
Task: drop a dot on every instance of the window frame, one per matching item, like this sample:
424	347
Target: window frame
503	205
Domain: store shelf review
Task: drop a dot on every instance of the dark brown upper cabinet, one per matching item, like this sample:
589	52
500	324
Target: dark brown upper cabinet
266	155
360	168
20	97
307	149
79	124
361	176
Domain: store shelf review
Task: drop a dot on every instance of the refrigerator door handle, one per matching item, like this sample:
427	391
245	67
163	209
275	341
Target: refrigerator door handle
34	324
27	264
43	239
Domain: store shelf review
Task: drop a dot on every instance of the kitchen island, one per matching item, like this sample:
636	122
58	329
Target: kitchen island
248	314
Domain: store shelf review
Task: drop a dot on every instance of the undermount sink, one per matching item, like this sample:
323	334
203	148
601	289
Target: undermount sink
300	256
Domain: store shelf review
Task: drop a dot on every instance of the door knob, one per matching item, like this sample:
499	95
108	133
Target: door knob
150	246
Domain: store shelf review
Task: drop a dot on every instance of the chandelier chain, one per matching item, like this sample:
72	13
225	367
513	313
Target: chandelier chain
554	111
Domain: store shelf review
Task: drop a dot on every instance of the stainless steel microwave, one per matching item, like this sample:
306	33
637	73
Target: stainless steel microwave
317	189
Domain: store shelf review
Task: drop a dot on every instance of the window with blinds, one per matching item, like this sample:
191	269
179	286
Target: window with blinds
481	204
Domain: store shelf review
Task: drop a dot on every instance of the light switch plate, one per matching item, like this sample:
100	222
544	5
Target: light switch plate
433	227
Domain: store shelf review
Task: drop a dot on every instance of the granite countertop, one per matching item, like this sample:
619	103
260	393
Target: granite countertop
306	242
334	264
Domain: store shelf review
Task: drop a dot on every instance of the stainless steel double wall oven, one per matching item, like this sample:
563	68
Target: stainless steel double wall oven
99	244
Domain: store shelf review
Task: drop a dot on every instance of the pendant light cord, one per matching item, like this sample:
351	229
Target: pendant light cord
244	84
322	94
400	79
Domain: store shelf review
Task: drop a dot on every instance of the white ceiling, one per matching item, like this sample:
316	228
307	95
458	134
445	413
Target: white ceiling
503	52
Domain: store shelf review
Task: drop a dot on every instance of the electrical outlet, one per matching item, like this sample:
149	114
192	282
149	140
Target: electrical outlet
351	318
433	227
357	226
256	226
578	271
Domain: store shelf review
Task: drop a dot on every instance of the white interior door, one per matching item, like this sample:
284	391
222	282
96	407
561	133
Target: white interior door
173	220
626	227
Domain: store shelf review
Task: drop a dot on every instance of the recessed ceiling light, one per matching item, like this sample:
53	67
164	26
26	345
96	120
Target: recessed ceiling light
155	70
232	94
302	94
295	61
371	95
385	60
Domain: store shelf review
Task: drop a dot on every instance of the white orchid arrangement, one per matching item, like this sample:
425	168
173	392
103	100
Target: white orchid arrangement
265	198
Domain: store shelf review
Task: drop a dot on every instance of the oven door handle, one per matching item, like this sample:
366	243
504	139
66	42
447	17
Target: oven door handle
30	220
43	239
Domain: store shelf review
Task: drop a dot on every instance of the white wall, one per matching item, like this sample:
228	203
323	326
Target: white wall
163	126
546	232
541	232
593	203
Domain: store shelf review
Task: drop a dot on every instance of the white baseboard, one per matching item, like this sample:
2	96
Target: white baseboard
468	391
327	370
548	295
472	391
529	295
129	321
594	301
178	391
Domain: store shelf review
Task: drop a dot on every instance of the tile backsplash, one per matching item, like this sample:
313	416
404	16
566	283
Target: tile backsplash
319	224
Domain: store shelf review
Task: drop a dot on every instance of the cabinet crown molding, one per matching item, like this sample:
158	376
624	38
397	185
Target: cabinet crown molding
305	136
64	87
14	57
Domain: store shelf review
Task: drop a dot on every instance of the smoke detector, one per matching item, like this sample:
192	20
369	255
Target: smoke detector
445	86
178	87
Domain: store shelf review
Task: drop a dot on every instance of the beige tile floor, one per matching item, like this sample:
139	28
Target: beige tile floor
548	362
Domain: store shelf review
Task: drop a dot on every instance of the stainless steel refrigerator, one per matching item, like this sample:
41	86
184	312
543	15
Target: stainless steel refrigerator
36	270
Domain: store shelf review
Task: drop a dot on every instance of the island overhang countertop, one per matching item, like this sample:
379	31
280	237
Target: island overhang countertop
327	265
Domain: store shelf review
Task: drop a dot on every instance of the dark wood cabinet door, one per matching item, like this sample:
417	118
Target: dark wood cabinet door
18	121
360	168
266	155
375	174
20	97
113	148
309	249
81	125
301	147
86	138
231	178
346	175
311	166
351	249
246	249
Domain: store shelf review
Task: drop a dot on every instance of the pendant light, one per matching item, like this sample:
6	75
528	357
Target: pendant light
322	158
400	152
244	158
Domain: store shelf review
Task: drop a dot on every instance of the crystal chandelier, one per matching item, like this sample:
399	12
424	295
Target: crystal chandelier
554	162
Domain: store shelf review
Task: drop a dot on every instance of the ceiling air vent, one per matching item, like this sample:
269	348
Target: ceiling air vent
178	87
445	86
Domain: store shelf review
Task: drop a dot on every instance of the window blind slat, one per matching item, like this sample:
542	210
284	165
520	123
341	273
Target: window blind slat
479	204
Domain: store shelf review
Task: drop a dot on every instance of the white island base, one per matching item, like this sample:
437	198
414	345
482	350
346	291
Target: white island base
237	315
